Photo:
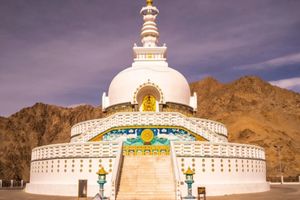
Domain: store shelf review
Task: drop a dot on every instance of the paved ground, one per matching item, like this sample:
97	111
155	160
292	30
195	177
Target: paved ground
277	192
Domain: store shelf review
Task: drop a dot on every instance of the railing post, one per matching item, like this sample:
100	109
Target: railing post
22	183
1	182
11	183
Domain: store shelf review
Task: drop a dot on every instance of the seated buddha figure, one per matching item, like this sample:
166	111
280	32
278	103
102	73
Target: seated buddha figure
149	103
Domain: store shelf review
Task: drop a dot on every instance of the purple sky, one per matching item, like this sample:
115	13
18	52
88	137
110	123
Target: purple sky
66	52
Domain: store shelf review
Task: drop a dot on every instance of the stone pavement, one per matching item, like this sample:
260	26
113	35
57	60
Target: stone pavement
21	195
277	192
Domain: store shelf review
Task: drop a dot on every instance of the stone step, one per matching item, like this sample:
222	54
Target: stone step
149	171
148	187
158	192
159	179
145	196
147	178
155	178
145	174
149	184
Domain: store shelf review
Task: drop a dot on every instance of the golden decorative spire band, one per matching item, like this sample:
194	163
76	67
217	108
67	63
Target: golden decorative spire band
149	2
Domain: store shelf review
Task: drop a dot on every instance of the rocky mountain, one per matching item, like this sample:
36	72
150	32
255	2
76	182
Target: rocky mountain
38	125
254	111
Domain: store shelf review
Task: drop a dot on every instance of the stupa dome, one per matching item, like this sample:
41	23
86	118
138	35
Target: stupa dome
168	84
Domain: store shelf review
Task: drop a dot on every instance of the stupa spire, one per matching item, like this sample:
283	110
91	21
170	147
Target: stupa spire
150	49
149	32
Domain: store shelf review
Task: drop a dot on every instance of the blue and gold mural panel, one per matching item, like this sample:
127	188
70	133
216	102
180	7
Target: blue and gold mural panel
162	134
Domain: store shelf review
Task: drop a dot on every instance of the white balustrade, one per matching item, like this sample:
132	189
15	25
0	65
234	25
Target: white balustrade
207	149
87	149
176	173
214	126
116	174
145	118
84	126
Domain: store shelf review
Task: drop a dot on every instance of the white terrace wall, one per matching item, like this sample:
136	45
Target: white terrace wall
56	169
214	126
212	131
224	168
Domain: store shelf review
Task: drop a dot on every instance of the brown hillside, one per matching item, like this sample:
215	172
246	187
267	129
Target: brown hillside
35	126
254	111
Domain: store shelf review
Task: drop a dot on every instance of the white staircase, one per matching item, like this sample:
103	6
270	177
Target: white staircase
147	178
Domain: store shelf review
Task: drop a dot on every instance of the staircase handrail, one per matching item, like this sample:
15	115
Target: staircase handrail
116	172
176	172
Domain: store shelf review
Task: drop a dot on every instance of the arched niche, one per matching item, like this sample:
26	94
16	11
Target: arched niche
148	98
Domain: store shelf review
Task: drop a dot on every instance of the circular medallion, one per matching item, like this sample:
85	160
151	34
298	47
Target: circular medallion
147	135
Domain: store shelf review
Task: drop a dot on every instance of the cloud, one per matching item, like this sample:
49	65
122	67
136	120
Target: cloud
290	83
274	63
61	71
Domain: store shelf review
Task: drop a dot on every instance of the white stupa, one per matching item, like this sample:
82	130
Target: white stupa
148	139
149	68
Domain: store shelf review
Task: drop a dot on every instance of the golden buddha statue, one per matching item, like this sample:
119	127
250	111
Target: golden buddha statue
149	103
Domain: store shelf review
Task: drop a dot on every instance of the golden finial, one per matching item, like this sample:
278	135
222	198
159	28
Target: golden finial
149	2
189	172
101	171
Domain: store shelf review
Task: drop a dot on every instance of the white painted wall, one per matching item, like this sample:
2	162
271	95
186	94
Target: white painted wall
221	168
56	169
60	176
